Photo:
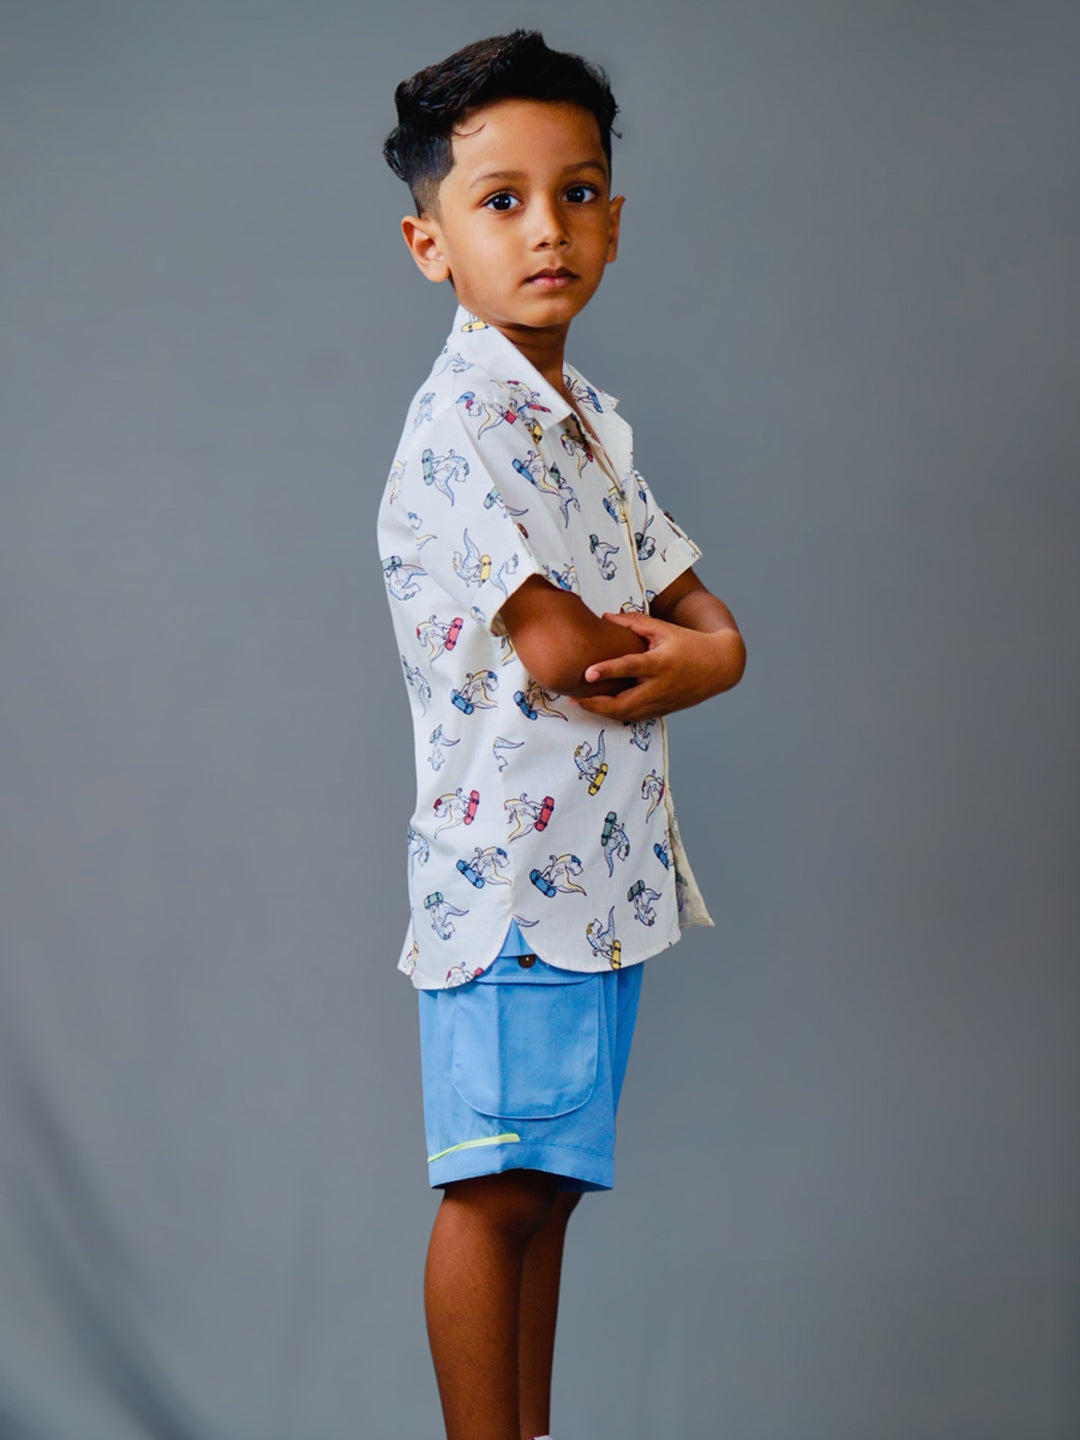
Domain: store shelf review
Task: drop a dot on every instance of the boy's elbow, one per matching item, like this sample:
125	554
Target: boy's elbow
554	635
554	661
557	637
736	660
559	663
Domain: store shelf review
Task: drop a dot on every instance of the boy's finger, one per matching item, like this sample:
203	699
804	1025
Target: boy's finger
638	703
633	620
622	667
610	707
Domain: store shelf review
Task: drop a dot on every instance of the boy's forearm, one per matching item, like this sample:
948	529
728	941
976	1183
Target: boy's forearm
690	605
700	610
557	637
694	651
567	650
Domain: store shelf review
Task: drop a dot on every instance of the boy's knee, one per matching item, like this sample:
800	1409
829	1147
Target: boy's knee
566	1202
514	1202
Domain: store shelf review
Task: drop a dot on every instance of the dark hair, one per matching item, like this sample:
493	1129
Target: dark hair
518	66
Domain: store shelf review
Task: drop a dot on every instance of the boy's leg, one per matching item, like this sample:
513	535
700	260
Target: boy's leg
472	1295
539	1310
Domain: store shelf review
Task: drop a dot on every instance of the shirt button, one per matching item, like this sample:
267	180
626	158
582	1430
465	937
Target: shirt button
526	961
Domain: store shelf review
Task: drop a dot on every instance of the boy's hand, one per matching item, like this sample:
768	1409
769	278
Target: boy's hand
681	667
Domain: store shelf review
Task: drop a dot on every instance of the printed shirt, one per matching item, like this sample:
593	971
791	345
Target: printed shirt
528	808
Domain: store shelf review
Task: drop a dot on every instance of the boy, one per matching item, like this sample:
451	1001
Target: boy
547	617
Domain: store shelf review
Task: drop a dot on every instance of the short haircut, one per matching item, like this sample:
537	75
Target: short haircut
518	66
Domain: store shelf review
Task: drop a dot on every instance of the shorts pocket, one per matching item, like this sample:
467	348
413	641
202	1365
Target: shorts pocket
526	1048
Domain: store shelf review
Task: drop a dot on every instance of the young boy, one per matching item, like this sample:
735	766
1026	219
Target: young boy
547	617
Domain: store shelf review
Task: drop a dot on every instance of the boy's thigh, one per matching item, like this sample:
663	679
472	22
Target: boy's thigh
522	1069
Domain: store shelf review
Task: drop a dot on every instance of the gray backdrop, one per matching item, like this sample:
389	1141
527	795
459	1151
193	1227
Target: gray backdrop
844	324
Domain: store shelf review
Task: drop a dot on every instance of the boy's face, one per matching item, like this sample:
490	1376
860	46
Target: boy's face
525	222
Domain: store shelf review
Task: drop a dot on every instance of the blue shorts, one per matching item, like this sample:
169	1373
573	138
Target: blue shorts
522	1069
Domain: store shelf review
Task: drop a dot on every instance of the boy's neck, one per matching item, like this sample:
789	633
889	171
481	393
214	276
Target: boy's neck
543	349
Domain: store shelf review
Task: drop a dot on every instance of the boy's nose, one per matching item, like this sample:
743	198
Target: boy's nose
549	230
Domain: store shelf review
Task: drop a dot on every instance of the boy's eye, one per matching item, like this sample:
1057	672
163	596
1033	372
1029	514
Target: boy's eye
581	193
502	201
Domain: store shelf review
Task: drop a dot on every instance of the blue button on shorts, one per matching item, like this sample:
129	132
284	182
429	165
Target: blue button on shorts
522	1069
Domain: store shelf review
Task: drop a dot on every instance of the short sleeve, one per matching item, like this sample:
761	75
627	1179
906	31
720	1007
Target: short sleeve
664	549
449	489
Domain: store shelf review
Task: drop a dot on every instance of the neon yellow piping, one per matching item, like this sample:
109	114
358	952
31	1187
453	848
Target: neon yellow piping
509	1139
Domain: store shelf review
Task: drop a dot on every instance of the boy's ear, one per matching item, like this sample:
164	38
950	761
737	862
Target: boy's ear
423	239
617	202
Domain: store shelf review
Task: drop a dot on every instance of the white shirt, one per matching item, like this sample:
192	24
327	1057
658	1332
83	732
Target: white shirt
528	807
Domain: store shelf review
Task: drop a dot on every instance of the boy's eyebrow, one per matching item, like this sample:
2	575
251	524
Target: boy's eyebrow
490	175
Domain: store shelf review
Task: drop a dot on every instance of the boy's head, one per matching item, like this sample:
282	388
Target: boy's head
519	66
507	149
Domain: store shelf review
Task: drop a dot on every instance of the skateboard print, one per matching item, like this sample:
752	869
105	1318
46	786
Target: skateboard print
602	551
614	841
549	481
456	808
643	899
557	876
440	471
528	815
535	701
603	941
590	762
401	579
476	692
652	790
439	635
485	866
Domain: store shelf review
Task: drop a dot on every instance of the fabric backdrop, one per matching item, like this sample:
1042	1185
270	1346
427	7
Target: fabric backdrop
846	314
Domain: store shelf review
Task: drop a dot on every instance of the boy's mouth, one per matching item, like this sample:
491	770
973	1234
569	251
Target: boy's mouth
552	279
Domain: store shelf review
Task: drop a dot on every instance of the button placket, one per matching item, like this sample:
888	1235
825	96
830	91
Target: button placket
606	464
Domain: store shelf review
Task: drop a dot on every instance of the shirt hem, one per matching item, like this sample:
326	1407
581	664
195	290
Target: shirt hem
626	964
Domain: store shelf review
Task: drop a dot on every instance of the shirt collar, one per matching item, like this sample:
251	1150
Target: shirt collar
477	341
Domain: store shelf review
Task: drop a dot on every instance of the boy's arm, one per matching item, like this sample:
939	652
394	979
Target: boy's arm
694	651
627	666
557	637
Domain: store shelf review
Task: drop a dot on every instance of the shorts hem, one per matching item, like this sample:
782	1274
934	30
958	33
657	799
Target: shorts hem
582	1169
